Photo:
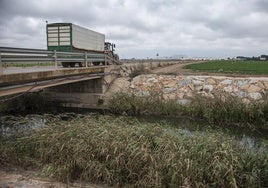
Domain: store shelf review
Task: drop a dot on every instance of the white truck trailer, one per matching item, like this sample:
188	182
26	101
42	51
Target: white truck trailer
69	37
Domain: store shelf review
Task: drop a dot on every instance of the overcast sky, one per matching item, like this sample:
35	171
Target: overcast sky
143	28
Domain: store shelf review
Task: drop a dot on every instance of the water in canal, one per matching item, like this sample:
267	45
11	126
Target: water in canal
11	125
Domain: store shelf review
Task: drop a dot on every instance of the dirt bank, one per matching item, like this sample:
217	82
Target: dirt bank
31	179
175	69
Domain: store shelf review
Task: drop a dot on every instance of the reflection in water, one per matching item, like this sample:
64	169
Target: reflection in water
250	139
12	126
18	125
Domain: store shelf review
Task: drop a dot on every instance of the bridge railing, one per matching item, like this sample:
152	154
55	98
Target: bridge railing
22	56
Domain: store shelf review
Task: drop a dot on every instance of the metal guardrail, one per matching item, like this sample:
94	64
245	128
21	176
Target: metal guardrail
23	55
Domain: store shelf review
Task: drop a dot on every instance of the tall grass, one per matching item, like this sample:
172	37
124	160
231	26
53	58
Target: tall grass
153	104
222	109
227	109
121	151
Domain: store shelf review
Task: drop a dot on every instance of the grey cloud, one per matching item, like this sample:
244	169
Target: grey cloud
261	5
144	26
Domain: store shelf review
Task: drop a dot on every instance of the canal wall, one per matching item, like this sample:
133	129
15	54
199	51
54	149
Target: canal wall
184	88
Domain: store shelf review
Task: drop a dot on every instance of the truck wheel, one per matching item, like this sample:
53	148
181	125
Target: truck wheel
72	64
65	64
96	63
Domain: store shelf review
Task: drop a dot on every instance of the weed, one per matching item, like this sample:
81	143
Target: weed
221	110
121	151
100	101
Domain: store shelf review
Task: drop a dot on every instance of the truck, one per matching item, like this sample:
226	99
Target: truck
68	37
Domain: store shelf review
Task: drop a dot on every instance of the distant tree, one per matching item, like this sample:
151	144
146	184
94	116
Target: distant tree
264	56
241	58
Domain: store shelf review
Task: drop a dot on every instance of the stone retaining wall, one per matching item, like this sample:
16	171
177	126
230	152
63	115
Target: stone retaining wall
182	88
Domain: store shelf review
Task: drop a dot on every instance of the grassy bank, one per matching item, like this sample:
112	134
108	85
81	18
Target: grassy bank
231	66
121	151
222	110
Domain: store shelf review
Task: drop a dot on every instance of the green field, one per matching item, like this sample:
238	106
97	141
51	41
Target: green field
232	66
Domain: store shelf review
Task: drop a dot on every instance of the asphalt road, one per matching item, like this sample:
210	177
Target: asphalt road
15	70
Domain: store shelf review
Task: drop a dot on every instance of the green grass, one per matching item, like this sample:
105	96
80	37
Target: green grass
233	67
123	152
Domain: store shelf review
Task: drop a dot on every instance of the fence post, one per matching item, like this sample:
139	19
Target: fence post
105	59
1	65
86	59
55	59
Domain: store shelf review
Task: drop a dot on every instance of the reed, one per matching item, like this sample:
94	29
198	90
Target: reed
221	110
231	110
121	151
131	104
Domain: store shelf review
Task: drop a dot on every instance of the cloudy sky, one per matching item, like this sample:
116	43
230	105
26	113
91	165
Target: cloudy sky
143	28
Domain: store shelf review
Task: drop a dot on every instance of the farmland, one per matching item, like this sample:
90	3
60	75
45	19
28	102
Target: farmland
231	67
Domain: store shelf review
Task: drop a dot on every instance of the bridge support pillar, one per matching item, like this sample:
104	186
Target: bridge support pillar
83	94
89	94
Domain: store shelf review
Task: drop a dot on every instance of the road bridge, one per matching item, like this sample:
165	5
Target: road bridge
20	69
31	81
73	87
30	70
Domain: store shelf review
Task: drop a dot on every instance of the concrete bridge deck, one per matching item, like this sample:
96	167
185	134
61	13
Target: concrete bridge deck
18	81
22	77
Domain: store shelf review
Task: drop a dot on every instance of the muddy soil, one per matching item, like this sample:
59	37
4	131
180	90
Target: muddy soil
31	179
174	69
